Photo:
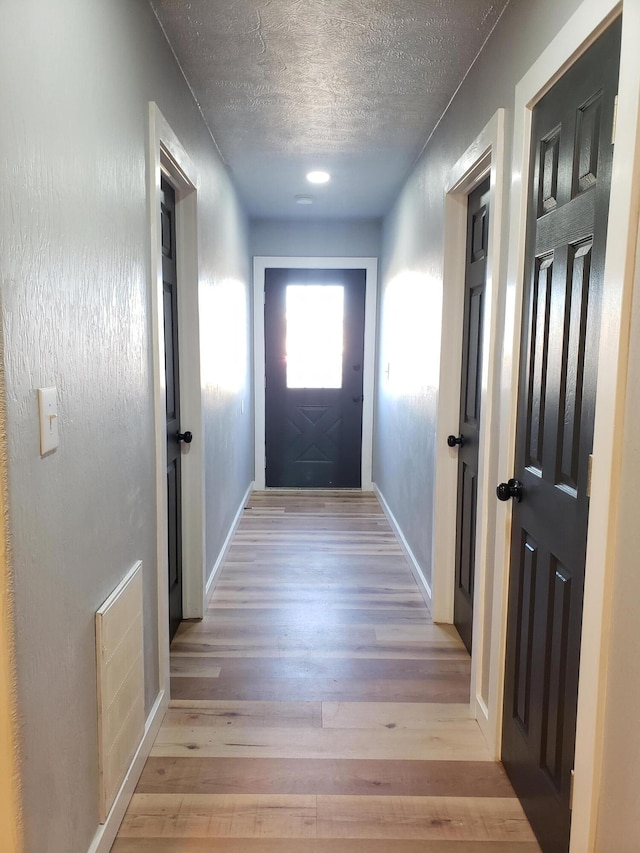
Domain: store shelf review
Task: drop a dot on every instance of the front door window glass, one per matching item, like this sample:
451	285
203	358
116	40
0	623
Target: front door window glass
314	341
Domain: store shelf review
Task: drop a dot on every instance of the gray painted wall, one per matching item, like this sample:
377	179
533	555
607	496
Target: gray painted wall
412	257
348	238
76	78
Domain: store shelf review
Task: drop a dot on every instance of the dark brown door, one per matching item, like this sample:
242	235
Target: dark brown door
174	520
314	351
470	388
570	180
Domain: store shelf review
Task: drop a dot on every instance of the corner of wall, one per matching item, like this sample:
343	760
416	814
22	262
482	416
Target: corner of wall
414	565
106	834
211	580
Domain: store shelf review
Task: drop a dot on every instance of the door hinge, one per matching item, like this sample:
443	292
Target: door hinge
615	120
573	777
589	469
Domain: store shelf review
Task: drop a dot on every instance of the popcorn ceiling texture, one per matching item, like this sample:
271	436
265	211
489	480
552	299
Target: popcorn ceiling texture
353	85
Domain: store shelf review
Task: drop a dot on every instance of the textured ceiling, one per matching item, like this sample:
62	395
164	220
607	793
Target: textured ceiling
351	86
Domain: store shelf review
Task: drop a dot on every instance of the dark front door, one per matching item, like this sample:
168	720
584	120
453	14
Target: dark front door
570	179
174	520
470	388
314	350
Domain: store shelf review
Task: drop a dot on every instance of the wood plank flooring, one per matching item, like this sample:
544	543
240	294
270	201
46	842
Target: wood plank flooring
317	708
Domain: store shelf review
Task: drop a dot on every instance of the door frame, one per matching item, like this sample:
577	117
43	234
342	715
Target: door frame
168	157
370	265
484	157
581	30
10	799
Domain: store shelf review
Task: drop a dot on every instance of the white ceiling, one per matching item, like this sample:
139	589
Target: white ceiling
351	86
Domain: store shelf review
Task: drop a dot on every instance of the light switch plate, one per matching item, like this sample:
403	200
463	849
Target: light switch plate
48	406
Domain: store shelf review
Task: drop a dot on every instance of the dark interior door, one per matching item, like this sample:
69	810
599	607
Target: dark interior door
314	351
470	388
170	296
571	169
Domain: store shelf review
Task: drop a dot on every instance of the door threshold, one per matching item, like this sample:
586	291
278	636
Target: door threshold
314	489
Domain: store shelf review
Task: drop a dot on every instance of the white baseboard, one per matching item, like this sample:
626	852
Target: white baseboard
105	836
422	582
227	542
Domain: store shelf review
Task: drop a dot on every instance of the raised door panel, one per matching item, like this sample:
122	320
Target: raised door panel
470	400
172	397
570	179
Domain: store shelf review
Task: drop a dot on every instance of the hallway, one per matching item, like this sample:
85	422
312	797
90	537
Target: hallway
317	707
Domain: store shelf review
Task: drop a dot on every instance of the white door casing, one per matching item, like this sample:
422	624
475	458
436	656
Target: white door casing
370	265
168	157
582	29
485	156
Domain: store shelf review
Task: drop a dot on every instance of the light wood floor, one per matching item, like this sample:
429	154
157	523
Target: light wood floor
317	708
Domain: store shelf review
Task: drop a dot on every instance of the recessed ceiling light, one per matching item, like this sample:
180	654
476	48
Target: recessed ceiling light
303	199
318	177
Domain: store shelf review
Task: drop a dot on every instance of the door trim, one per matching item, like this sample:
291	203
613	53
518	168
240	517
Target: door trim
370	265
10	800
485	156
167	156
582	29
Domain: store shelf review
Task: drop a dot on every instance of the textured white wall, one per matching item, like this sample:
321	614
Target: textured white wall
76	77
356	238
412	257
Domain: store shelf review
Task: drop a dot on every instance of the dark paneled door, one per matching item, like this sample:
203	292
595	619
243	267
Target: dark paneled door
170	296
314	351
470	388
571	169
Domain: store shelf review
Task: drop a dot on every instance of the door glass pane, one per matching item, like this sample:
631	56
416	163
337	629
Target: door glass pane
315	314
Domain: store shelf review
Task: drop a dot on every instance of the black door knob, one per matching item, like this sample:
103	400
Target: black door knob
511	489
187	437
358	399
452	440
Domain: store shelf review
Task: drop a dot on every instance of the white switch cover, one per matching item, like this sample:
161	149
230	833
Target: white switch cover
48	405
